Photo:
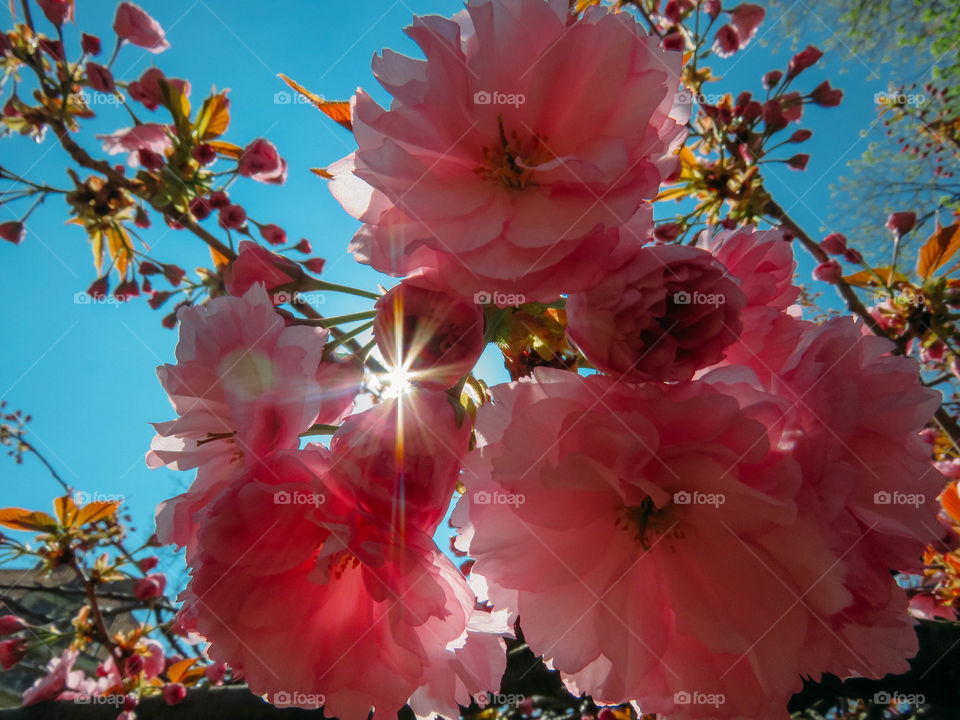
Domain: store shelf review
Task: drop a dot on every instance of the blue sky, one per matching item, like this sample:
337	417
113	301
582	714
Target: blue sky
86	373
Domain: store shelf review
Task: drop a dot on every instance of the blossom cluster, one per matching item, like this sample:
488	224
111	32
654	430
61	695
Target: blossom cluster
706	518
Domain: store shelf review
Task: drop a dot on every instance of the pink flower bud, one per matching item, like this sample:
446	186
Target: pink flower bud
151	160
57	11
13	231
315	265
53	48
148	563
303	246
90	44
169	321
100	78
834	244
261	161
98	290
218	200
200	208
772	79
799	161
802	60
829	271
826	96
726	42
255	264
273	234
901	222
5	43
130	702
10	624
141	219
174	693
126	290
174	274
12	652
801	136
667	232
134	25
712	8
674	41
233	217
157	298
214	673
150	587
204	153
773	116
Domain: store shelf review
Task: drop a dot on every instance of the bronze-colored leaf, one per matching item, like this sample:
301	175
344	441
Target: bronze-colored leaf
939	248
20	519
338	111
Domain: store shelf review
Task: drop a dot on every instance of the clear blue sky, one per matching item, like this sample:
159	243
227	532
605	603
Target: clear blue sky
86	373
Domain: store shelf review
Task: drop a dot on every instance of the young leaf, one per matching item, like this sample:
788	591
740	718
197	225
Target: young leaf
214	117
339	111
939	248
20	519
95	511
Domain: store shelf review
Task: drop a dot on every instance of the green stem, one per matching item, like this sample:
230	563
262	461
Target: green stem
314	284
330	346
326	322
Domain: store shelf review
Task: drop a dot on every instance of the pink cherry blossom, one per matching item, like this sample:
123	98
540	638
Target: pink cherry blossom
436	337
149	136
133	24
659	313
407	452
148	92
649	480
528	164
615	523
244	384
856	415
61	680
317	597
